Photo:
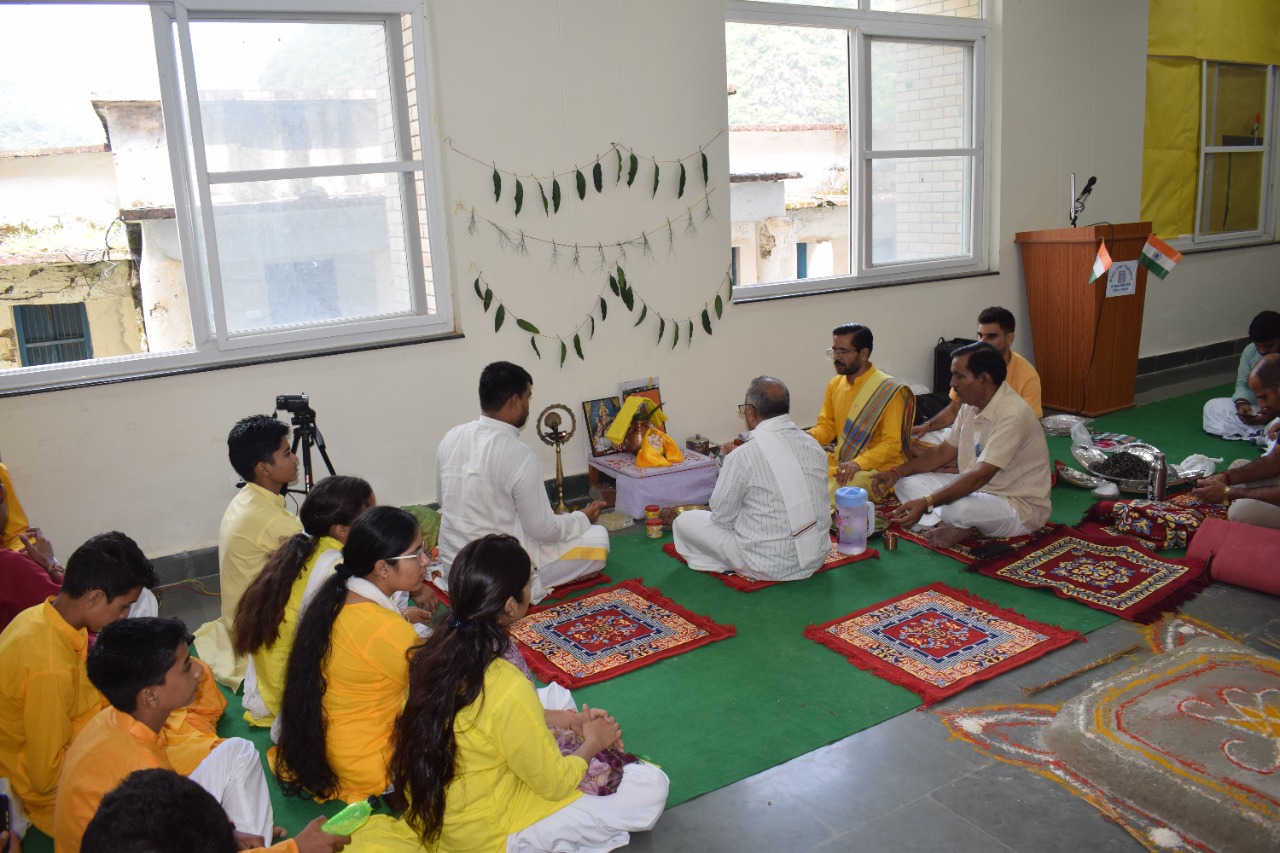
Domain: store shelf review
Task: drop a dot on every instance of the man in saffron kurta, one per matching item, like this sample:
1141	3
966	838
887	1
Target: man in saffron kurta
865	411
255	524
45	694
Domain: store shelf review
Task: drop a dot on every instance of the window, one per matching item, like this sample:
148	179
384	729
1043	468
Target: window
48	334
856	142
271	186
1235	152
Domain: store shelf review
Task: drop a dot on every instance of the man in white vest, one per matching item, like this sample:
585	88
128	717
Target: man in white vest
770	512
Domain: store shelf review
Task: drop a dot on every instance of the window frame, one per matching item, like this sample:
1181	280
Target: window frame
1265	232
213	346
862	26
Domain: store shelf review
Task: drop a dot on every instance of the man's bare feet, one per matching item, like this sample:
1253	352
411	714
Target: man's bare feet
944	536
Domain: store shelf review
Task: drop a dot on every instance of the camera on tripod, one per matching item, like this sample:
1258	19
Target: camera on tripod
305	434
295	403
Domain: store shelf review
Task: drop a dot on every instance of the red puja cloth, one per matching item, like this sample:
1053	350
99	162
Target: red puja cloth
1157	524
733	580
1109	573
964	550
936	641
604	634
1239	554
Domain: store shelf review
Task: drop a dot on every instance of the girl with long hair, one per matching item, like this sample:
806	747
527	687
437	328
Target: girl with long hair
267	616
349	668
473	755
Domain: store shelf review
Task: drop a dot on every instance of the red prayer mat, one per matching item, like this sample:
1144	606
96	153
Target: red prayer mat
733	580
936	641
1109	573
964	551
554	593
603	634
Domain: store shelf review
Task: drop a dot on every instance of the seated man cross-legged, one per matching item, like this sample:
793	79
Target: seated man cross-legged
769	512
997	443
490	482
866	412
1235	417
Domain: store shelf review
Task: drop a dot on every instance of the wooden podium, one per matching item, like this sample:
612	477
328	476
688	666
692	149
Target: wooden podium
1086	345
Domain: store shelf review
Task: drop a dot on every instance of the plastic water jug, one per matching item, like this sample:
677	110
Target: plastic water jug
855	519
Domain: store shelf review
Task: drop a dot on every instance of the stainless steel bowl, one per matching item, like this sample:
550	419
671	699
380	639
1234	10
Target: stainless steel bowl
1090	457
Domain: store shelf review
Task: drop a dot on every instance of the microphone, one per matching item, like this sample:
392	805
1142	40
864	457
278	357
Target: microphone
1077	207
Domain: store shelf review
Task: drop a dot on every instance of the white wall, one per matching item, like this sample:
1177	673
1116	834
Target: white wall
551	86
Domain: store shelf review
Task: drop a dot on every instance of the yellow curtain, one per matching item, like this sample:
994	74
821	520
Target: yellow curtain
1180	34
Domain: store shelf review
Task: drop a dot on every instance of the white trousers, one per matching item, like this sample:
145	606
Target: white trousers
233	773
598	824
1220	418
705	545
990	515
577	560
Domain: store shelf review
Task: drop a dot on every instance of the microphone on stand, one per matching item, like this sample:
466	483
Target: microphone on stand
1077	206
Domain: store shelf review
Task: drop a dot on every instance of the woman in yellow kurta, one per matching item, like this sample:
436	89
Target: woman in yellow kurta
349	666
267	616
474	757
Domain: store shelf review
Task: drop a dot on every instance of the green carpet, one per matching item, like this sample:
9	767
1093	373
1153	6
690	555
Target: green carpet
734	708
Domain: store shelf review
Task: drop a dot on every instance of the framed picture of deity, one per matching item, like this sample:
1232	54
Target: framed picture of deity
599	415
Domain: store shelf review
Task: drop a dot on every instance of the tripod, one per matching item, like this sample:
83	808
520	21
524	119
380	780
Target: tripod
307	435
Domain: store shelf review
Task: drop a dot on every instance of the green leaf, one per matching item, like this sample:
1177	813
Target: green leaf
680	191
689	339
719	307
528	327
499	317
497	185
564	353
546	205
675	337
478	291
629	299
533	342
582	185
622	278
704	168
613	285
635	167
592	318
597	176
618	179
604	309
662	328
519	197
577	347
644	312
488	298
555	195
706	321
655	179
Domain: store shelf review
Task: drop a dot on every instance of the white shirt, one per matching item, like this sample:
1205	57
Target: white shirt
488	481
747	500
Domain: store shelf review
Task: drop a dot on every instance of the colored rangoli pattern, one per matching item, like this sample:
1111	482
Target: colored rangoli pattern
604	634
1105	572
937	640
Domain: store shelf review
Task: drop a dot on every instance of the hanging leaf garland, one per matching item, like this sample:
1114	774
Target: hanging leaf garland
546	206
635	167
703	154
680	191
577	347
719	307
597	176
555	196
655	179
497	184
499	317
618	178
582	185
519	197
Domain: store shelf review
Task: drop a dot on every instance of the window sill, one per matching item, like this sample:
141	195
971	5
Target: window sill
839	285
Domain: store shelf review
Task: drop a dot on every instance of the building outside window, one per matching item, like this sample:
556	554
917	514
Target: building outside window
856	131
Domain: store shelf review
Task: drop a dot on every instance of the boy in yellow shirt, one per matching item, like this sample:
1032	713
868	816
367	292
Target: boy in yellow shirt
45	694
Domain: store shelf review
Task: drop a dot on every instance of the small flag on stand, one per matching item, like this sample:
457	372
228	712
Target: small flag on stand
1101	264
1158	256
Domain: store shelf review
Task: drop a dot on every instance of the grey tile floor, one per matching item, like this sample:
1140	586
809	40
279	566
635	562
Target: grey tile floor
906	785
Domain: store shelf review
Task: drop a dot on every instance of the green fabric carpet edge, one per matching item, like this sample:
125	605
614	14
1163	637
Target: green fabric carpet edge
739	706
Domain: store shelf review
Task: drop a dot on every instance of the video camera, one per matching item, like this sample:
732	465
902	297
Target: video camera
294	403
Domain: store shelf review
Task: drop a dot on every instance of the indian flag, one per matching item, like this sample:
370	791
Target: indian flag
1158	256
1101	264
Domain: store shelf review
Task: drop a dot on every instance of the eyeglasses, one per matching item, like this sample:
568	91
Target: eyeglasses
417	554
832	352
742	408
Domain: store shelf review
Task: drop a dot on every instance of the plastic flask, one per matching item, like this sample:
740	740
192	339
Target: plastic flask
350	818
855	519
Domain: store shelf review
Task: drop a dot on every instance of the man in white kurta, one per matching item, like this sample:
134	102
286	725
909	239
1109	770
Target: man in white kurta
488	481
769	517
